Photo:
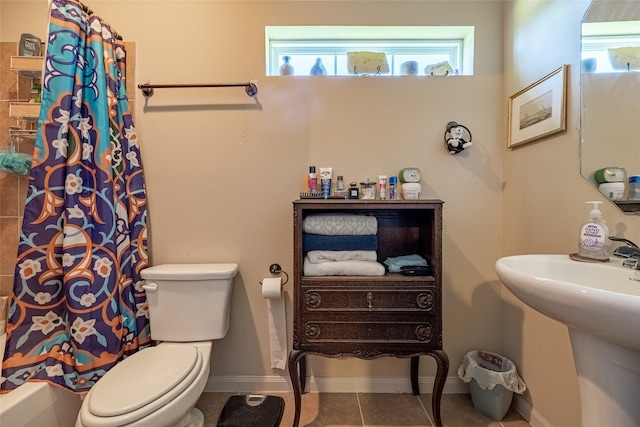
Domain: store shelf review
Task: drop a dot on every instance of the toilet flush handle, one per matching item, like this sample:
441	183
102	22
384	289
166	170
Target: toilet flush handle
150	287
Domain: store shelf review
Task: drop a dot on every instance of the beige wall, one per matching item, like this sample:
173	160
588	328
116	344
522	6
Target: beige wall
543	199
222	169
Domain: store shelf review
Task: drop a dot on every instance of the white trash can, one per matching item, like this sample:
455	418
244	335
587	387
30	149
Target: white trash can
493	379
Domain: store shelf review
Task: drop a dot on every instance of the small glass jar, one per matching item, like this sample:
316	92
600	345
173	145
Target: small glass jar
353	191
634	187
368	190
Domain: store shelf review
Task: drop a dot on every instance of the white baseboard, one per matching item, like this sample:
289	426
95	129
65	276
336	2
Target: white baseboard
528	412
281	384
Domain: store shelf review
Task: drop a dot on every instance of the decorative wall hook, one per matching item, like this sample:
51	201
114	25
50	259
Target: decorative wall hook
455	139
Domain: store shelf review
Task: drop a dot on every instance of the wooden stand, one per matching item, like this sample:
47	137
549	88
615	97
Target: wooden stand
368	317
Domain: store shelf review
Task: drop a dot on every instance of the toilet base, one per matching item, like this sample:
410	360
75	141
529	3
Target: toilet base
252	411
195	418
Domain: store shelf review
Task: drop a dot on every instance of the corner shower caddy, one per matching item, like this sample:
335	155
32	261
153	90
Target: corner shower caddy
30	67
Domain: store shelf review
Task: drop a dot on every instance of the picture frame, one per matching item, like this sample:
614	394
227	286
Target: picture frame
539	110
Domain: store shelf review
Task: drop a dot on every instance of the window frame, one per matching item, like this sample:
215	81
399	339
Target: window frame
601	36
454	41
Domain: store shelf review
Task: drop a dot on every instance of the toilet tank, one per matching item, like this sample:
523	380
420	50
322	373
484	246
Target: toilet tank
189	302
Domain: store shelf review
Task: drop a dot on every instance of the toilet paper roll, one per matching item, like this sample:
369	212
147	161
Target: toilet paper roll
272	287
272	292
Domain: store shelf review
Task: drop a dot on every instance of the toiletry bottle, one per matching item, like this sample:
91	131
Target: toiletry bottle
393	187
326	175
36	93
634	187
382	191
594	236
312	180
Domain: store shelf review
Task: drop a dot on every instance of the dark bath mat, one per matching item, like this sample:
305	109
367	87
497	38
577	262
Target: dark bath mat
252	410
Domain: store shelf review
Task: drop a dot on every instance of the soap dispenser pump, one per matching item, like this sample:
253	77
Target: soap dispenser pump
594	236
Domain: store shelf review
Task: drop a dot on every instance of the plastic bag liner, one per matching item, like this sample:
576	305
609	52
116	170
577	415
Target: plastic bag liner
489	370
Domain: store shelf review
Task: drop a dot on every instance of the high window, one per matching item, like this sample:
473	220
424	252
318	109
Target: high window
611	47
407	50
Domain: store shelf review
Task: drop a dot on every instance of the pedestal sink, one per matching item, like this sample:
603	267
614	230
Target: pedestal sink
600	304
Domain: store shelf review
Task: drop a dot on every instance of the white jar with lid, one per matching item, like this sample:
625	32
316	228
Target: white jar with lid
411	190
613	190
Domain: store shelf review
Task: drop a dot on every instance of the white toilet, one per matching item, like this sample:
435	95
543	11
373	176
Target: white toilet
159	386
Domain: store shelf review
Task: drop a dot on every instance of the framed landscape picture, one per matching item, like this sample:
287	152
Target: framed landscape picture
539	110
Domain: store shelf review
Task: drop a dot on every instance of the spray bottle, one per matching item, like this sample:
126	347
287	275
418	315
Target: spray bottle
594	236
312	180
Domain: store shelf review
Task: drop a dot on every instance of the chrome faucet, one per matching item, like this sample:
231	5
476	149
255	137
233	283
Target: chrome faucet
630	251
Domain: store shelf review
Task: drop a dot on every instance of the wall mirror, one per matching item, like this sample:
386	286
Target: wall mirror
610	95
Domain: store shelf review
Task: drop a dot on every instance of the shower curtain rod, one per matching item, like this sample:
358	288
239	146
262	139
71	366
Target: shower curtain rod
85	9
148	89
89	12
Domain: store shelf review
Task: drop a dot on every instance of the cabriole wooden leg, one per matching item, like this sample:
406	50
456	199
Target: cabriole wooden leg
415	386
441	376
295	356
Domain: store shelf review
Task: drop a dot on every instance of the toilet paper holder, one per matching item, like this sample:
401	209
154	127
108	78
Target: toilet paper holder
276	269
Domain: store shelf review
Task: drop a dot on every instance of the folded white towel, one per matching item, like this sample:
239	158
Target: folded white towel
340	224
343	268
328	256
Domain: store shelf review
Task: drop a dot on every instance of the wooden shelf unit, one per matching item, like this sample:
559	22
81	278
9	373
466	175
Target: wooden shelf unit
368	317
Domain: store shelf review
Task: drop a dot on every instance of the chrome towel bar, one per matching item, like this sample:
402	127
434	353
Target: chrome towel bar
148	89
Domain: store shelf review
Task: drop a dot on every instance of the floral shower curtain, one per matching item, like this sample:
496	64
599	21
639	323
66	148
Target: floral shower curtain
77	305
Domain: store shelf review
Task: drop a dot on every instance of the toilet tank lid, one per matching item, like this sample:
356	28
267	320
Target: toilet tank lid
190	271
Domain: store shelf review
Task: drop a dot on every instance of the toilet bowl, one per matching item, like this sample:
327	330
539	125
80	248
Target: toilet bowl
159	386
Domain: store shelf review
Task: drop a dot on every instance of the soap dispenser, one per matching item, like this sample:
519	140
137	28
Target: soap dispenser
594	236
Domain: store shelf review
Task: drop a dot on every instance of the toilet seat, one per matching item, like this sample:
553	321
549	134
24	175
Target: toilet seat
143	383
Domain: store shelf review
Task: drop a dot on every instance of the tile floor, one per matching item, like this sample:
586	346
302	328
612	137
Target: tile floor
371	410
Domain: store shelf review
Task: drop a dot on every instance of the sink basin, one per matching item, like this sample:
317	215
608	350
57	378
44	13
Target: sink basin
600	304
602	298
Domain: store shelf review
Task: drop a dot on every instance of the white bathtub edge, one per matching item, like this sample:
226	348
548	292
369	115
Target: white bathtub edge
38	404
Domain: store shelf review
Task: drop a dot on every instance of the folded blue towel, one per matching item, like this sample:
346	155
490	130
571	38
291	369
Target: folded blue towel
395	263
320	242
